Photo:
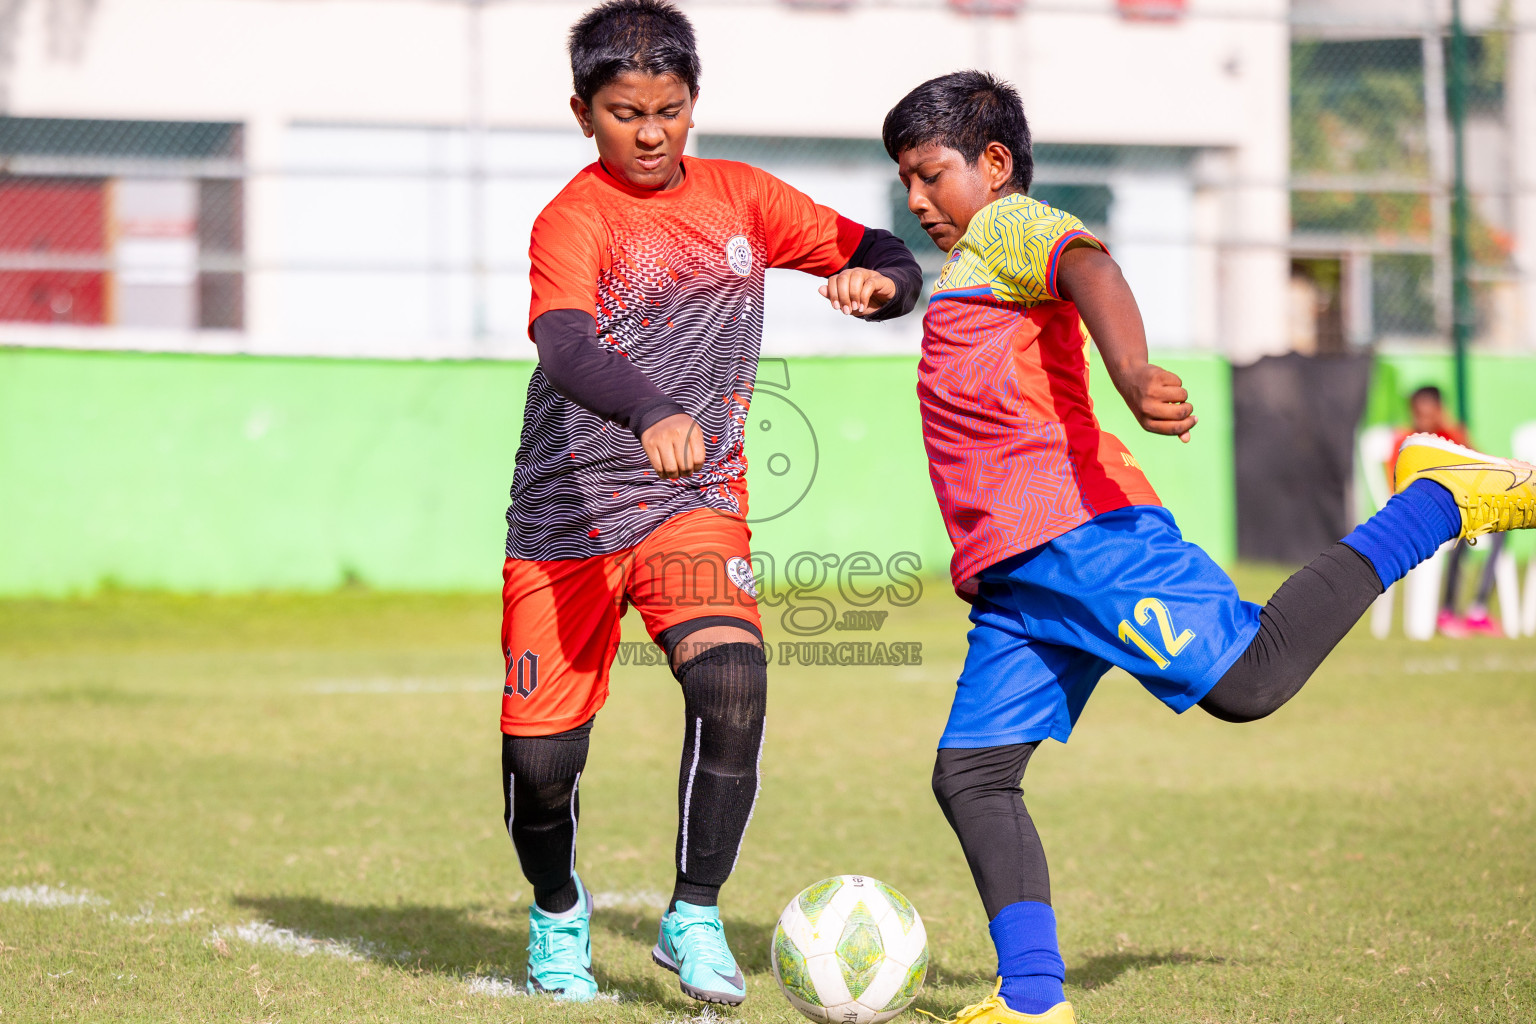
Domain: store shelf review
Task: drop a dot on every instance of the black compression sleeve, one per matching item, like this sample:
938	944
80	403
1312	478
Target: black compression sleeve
725	699
880	250
594	377
1300	625
540	806
978	791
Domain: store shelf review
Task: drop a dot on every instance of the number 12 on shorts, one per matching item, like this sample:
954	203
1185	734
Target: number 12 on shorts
1147	609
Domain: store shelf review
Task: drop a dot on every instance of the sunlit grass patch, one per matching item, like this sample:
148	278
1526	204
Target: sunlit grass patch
287	808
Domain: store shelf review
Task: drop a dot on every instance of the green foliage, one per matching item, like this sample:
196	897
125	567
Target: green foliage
1382	215
1357	107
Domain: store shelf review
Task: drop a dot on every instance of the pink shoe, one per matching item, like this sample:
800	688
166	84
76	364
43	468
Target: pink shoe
1448	623
1479	623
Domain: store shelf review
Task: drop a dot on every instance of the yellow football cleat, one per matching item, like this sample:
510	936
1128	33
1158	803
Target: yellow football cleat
992	1010
1494	494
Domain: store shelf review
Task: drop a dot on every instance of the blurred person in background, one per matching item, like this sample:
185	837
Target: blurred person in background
1428	415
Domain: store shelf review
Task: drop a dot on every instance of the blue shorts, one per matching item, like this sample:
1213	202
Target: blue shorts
1123	589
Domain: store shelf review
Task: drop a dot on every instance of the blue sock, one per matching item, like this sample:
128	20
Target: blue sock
1409	528
1027	957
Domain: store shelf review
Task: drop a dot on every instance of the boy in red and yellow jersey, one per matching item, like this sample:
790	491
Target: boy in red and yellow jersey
630	486
1070	562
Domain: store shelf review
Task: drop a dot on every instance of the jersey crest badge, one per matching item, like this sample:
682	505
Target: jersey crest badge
739	571
949	264
738	253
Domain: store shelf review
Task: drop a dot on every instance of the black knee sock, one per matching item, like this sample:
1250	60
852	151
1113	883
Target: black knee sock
725	696
1300	625
540	776
978	790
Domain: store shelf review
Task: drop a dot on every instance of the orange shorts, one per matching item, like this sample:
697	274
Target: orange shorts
560	619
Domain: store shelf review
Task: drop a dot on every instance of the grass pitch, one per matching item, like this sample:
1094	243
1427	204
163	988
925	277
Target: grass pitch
285	808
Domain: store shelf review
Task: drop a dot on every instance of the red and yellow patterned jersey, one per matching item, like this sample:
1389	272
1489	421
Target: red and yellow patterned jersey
674	280
1015	452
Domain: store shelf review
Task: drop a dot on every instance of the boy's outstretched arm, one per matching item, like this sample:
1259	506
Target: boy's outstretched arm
1090	279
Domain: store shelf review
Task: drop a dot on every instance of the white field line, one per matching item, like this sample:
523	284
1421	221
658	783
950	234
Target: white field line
407	684
50	896
148	915
286	940
632	899
707	1015
498	987
54	897
1455	664
495	986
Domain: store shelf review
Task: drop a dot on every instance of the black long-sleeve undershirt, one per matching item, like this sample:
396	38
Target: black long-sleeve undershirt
596	378
602	381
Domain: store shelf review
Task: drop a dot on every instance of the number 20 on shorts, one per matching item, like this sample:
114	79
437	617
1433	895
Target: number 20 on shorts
1149	608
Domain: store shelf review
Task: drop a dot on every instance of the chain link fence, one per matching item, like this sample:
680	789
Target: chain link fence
137	223
409	240
1372	174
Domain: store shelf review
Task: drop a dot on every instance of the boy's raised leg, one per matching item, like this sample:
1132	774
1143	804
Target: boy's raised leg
1445	491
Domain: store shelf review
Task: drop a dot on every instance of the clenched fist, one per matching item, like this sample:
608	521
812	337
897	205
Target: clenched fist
674	445
1158	400
858	292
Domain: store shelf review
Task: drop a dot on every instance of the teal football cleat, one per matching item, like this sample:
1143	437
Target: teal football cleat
560	951
691	945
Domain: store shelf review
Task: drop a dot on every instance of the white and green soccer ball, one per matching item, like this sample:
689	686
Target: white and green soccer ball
850	950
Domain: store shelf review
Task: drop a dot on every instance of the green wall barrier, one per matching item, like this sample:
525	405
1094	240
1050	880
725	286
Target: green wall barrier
1195	480
229	473
222	473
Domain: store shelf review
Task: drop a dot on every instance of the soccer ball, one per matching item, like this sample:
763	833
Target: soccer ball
850	950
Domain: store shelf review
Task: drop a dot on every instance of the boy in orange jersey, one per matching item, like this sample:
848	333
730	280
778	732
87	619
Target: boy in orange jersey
1070	562
630	487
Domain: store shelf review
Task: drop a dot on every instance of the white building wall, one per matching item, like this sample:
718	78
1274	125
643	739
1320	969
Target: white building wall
1155	215
1255	261
329	272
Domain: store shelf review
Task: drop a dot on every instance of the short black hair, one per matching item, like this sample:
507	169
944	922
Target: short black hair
963	111
1427	391
620	36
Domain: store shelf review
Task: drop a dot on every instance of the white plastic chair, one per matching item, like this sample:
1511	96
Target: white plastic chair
1372	451
1523	445
1421	594
1421	587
